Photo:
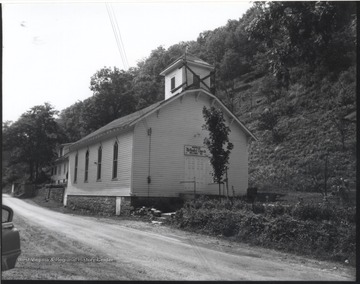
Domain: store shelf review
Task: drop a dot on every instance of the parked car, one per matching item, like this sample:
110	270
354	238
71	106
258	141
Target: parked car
10	240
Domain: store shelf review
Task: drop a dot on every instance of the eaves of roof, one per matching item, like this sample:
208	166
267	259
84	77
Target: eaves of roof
66	144
191	59
62	158
117	125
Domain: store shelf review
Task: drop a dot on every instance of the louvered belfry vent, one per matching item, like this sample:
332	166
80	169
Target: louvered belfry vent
188	72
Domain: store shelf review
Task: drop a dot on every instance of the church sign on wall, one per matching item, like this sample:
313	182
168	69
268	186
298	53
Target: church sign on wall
191	150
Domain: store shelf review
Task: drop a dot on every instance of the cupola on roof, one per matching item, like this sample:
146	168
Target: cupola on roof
187	72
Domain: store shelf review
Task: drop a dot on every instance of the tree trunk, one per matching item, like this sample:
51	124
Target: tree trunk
36	171
343	140
227	184
31	170
326	174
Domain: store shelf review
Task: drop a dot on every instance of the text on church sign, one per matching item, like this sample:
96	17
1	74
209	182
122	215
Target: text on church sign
195	150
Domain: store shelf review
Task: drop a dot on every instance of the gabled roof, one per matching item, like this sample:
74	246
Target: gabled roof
65	155
117	124
192	59
65	144
126	122
62	158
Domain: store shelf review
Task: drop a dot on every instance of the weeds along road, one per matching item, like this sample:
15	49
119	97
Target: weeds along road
69	247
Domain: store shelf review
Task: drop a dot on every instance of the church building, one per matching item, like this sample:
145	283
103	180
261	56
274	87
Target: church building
157	152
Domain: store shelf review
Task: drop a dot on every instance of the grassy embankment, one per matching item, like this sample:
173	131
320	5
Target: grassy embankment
321	230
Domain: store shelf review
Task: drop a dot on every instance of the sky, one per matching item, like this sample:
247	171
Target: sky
51	50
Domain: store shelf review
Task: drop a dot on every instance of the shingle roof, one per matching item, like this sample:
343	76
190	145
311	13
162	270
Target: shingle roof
120	123
193	58
188	58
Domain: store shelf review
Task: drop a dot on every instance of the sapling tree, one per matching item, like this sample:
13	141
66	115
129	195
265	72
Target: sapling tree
217	143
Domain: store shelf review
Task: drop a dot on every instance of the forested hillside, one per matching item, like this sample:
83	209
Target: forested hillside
286	69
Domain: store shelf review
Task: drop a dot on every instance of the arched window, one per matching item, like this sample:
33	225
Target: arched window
99	163
86	166
115	161
76	168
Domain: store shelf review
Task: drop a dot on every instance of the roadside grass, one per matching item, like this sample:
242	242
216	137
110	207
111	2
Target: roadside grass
320	230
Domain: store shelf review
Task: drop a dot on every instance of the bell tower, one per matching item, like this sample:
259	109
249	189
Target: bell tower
187	72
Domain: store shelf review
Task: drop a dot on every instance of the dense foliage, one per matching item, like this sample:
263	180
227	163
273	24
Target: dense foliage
295	33
324	231
31	141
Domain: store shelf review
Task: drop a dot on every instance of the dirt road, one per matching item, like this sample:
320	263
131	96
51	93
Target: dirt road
66	247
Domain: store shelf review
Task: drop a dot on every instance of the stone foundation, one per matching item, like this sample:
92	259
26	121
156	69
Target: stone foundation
111	205
43	192
57	194
125	206
94	204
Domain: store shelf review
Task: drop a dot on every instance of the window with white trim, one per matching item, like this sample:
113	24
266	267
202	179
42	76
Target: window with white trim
76	167
115	160
86	166
99	163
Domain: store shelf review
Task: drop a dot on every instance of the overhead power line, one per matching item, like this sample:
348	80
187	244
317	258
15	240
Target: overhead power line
117	34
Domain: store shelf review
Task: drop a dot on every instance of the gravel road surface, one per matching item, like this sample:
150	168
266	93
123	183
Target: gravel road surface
71	247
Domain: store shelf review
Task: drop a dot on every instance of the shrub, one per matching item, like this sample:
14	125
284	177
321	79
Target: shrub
268	120
324	231
239	205
255	223
277	209
209	204
224	223
282	230
258	208
313	212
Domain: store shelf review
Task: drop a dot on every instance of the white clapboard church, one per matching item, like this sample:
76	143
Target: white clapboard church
157	152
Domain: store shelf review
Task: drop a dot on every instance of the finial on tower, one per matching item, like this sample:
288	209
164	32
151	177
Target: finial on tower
186	50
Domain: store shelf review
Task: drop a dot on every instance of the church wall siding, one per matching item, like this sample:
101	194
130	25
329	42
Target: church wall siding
178	81
106	186
176	125
156	168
